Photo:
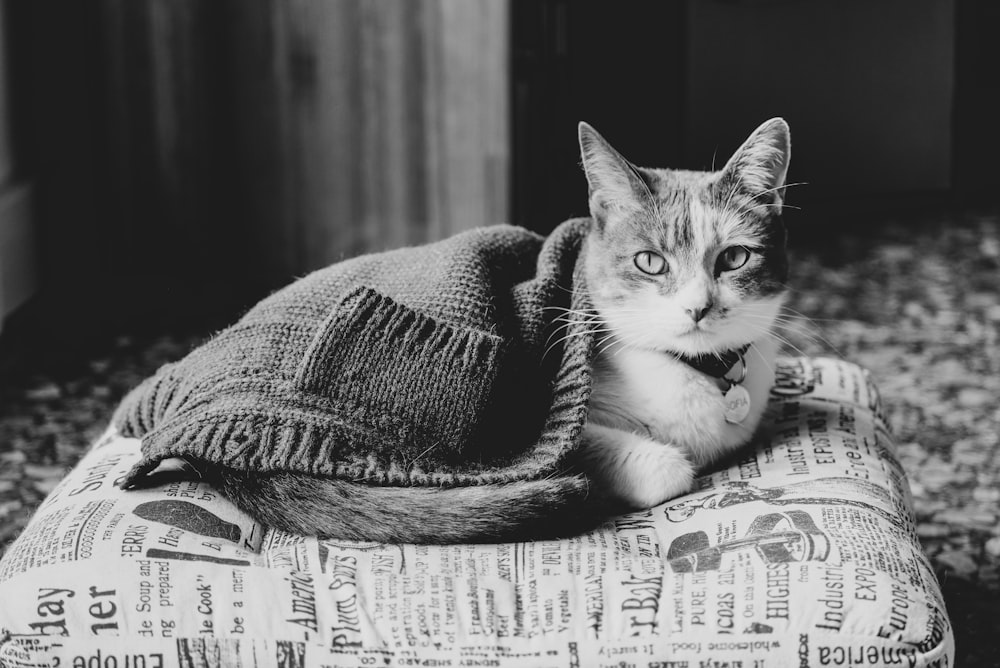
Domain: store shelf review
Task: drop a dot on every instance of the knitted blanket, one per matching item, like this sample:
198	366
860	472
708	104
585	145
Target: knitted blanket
420	366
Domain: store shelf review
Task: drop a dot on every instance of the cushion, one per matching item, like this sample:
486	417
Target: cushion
800	551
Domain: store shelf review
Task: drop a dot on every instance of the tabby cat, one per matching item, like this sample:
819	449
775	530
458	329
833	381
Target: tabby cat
686	272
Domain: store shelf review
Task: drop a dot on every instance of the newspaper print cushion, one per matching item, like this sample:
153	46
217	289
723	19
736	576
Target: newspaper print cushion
802	552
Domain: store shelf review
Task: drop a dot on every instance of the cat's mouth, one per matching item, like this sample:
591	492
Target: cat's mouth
698	332
699	339
694	328
694	340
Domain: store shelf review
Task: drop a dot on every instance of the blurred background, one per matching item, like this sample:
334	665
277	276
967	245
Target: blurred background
164	158
166	163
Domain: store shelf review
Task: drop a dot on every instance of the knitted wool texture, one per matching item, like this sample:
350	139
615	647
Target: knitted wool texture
420	366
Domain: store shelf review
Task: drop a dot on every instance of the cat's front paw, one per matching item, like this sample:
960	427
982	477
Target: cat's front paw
636	470
660	473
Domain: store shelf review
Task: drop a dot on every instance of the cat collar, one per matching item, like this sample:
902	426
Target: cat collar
736	399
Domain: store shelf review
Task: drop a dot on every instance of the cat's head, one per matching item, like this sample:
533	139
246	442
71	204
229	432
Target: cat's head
685	261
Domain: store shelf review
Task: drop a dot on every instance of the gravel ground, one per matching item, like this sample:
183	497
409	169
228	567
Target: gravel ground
918	304
915	301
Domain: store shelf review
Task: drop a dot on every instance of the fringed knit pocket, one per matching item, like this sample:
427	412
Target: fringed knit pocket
389	364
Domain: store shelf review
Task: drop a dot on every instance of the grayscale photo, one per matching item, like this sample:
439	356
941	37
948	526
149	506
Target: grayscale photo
511	333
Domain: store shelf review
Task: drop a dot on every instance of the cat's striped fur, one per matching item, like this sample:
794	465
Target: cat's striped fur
654	420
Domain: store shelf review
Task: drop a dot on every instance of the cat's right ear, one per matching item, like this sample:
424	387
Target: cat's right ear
615	184
760	165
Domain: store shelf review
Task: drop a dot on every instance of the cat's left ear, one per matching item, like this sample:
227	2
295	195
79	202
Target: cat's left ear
615	184
760	165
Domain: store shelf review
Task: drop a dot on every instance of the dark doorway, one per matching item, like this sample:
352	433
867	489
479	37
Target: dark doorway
621	69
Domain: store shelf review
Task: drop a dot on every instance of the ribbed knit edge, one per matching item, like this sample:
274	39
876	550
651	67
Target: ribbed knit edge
145	405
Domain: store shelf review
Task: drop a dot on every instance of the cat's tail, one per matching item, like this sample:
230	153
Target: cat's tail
309	505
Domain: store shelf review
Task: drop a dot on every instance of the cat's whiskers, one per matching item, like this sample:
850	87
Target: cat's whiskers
625	343
570	335
815	338
611	337
619	332
763	358
801	327
797	325
570	310
569	321
571	316
628	321
777	337
804	323
608	343
567	290
747	209
607	335
798	314
624	346
777	204
761	332
798	329
781	187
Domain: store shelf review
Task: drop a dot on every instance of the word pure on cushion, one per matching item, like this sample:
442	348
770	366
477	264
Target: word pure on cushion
799	552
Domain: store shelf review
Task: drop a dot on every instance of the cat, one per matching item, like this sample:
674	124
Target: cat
680	264
686	272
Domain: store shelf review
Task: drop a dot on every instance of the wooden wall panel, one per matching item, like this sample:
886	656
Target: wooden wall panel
468	47
186	156
375	123
245	143
169	148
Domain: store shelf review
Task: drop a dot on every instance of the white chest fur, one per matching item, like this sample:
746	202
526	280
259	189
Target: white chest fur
658	396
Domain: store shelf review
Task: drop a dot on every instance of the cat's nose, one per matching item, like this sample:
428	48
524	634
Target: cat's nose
697	313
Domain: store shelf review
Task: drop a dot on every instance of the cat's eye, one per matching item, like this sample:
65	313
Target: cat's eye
732	258
650	263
